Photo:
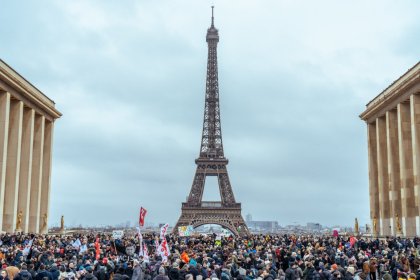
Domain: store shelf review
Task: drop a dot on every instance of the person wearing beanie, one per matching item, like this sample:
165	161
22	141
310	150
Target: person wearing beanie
174	272
162	274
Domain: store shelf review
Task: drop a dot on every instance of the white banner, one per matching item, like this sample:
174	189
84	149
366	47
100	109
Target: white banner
117	234
163	231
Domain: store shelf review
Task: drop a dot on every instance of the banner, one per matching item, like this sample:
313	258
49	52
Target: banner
185	231
163	231
164	250
156	246
145	253
141	216
76	244
141	253
117	234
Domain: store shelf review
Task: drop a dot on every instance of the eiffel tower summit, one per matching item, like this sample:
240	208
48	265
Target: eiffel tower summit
212	161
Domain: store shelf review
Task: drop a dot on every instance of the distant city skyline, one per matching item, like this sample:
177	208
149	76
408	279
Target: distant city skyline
129	79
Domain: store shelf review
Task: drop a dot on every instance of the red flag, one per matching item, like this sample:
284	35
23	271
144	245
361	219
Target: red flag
97	249
142	215
352	240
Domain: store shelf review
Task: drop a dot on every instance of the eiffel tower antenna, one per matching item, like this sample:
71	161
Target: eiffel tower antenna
211	160
212	16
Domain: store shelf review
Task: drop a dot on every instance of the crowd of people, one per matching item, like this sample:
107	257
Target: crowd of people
263	257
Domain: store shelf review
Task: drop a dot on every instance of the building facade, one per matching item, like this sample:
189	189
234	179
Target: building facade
393	129
26	134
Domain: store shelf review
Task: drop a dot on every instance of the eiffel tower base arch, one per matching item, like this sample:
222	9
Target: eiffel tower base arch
227	217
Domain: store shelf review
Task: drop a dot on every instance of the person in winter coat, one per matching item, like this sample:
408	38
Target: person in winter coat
349	274
55	273
138	273
312	273
3	275
291	272
63	273
174	272
372	268
43	273
89	274
120	275
281	275
162	274
267	276
12	271
23	274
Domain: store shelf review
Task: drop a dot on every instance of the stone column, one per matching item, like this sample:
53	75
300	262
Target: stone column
4	136
13	166
26	165
46	175
36	178
415	133
406	170
383	181
373	173
393	167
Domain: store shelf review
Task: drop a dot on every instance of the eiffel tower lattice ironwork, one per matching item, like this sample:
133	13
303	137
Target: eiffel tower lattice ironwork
212	162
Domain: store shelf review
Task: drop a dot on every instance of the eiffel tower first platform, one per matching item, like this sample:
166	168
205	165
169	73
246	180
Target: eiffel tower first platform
212	162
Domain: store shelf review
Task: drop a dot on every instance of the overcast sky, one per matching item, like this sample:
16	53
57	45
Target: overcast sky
129	78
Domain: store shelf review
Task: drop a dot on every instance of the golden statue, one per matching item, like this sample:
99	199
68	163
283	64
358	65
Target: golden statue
19	221
44	221
398	224
62	223
375	230
356	226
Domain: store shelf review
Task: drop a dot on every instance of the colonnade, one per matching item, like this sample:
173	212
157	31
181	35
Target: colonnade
26	133
394	169
25	161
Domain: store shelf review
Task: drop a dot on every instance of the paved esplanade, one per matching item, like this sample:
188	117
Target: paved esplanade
393	122
26	133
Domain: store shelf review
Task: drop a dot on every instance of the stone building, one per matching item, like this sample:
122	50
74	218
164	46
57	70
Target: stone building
393	128
26	133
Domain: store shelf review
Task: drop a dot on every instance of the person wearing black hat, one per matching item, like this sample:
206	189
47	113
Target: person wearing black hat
43	273
89	274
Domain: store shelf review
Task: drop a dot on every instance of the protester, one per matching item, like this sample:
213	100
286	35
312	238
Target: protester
263	257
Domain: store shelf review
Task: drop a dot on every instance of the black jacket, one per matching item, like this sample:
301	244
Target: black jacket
43	273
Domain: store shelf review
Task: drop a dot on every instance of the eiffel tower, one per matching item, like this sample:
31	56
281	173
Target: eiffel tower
212	162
